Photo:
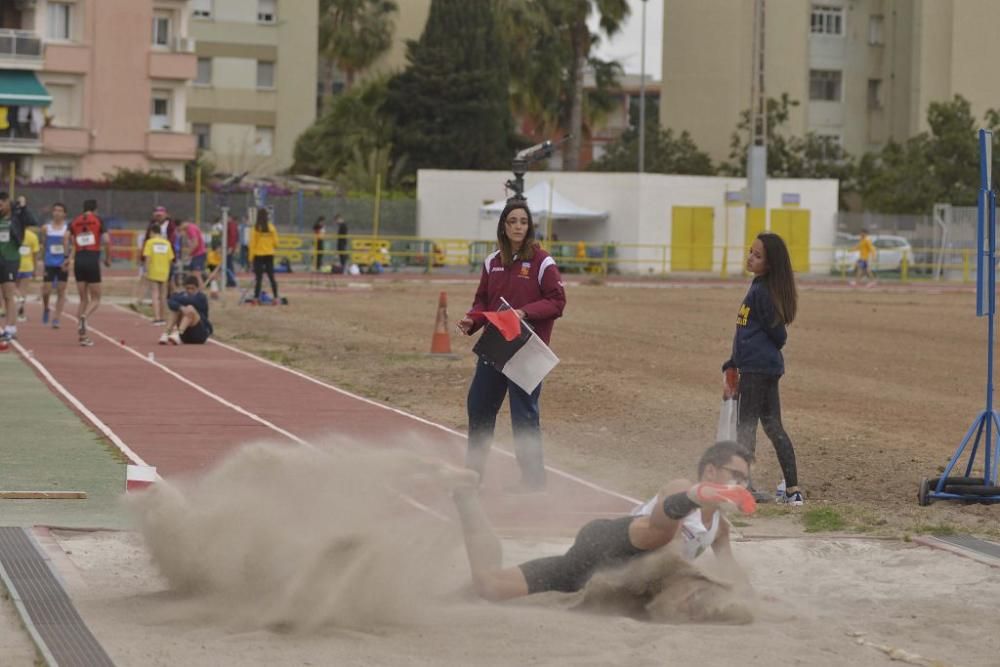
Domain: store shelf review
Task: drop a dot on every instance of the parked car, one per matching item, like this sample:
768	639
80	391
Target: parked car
889	253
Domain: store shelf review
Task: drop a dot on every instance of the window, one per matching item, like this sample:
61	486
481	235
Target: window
201	9
265	74
267	11
159	118
263	141
59	20
875	23
826	20
203	132
204	77
824	85
62	107
56	172
161	29
874	94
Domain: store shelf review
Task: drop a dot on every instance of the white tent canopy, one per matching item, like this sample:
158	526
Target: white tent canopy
545	203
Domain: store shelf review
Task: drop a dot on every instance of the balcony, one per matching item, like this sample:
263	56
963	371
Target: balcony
65	140
19	139
20	49
177	63
171	145
67	58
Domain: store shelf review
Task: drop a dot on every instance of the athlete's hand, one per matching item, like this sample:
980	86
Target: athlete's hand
730	383
727	498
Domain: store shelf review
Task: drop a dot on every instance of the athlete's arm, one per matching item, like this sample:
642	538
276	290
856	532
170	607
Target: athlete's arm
106	240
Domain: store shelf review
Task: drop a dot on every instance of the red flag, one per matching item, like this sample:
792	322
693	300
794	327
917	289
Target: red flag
507	321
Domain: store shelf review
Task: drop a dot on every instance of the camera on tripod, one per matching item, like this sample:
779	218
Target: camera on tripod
526	157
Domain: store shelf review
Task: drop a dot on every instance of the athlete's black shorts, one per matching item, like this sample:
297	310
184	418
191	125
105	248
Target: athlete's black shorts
56	274
195	335
600	544
87	268
8	270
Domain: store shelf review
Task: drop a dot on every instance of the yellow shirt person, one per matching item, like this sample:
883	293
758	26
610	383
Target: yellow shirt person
29	252
865	248
263	244
158	254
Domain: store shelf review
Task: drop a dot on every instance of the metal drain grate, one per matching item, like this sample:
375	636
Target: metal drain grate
57	629
982	547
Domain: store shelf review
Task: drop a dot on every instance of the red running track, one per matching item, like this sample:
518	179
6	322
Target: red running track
190	406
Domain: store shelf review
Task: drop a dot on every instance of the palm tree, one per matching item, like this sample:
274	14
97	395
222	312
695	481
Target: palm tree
574	14
549	45
354	33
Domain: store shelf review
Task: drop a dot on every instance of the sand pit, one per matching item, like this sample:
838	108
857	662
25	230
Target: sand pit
328	567
922	601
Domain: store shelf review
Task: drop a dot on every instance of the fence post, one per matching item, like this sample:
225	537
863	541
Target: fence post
663	258
965	265
904	269
604	264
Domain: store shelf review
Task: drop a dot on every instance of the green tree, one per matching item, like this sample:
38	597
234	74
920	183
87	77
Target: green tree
353	33
355	124
666	153
549	44
789	156
450	107
941	165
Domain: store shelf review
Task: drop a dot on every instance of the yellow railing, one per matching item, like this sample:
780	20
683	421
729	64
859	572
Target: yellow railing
395	253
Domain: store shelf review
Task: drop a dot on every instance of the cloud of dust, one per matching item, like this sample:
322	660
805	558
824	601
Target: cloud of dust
664	588
299	538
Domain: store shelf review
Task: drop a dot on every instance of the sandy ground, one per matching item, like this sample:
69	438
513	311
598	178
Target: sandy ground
924	602
881	386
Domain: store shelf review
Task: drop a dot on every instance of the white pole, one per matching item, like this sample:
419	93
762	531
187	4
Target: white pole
642	95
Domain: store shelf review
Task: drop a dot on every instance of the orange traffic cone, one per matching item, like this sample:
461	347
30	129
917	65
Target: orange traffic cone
441	342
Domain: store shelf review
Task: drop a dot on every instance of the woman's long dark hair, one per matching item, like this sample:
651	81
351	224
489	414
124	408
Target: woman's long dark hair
779	277
261	224
527	250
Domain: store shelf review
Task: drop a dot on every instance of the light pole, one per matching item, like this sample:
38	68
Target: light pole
642	94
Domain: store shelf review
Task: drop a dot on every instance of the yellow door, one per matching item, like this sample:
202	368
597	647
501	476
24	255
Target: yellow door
680	238
755	225
792	225
691	237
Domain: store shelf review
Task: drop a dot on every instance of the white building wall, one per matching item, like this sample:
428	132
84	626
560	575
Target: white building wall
639	206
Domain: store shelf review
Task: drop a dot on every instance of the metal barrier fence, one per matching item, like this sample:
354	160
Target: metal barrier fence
411	253
298	212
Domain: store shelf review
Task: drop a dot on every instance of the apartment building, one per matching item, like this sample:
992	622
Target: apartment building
88	86
863	71
255	88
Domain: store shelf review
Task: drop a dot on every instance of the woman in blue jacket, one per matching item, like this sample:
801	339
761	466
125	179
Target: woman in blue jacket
768	307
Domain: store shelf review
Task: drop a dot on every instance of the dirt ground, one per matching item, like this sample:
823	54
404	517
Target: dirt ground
880	385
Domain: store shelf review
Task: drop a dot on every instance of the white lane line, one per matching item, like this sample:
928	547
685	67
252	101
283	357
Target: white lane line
76	403
321	383
241	410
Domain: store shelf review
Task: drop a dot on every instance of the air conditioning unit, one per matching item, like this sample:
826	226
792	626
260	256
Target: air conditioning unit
184	45
266	17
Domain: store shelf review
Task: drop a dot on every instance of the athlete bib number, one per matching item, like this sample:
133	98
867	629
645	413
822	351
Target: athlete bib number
56	250
85	239
160	249
5	236
25	250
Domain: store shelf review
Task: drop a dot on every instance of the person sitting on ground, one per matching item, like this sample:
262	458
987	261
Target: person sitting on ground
683	514
189	315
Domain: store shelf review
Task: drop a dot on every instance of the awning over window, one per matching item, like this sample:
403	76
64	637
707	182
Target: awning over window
21	88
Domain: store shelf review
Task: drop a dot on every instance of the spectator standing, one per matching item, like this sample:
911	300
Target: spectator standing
263	243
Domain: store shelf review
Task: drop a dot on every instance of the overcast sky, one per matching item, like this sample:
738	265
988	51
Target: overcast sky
625	46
